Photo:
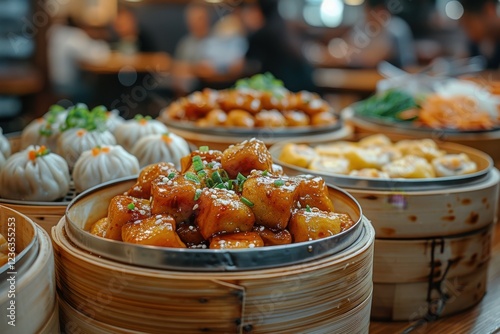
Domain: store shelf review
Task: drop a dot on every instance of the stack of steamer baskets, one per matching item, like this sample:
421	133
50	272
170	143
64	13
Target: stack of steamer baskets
433	236
27	281
107	286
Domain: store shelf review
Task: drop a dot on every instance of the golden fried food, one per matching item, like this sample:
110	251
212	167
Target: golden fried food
157	230
312	224
246	156
123	209
240	118
272	198
236	241
273	237
174	196
222	200
142	188
222	211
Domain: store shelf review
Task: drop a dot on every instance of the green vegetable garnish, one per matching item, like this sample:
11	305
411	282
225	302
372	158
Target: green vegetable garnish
246	201
308	208
279	182
387	106
263	82
264	173
216	177
203	149
197	163
192	177
131	206
171	176
197	194
79	116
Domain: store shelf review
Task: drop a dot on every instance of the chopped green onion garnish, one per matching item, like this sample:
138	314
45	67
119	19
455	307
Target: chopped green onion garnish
223	175
308	208
202	174
203	149
279	182
246	201
197	163
209	182
197	194
220	186
210	165
131	206
241	178
171	176
216	177
230	185
264	173
191	177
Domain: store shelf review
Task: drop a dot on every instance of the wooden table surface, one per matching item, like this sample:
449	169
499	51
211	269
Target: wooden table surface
483	318
138	62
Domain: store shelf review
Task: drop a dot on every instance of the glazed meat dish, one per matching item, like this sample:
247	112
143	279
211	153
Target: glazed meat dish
222	200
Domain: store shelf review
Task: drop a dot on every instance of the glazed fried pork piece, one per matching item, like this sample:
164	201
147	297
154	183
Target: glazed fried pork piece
273	237
245	157
273	198
175	197
142	188
222	211
157	230
236	240
123	209
312	191
311	224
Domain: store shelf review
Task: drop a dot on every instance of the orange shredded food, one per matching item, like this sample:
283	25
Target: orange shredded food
80	133
459	112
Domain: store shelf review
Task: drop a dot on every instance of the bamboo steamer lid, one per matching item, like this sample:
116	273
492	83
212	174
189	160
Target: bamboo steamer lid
331	294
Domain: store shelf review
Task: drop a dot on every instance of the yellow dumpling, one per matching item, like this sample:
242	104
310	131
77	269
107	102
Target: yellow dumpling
297	154
410	166
336	149
454	164
333	165
425	148
376	140
367	158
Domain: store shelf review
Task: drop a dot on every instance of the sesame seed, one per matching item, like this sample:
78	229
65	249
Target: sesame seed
164	180
158	217
191	227
158	222
213	196
194	208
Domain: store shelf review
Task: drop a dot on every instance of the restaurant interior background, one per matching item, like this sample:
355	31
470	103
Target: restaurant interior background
135	56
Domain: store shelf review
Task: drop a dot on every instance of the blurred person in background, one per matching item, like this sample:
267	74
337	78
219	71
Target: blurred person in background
481	22
67	46
125	31
380	36
189	60
273	48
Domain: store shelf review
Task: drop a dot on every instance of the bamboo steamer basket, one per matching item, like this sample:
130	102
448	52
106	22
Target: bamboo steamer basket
332	294
405	288
428	241
35	294
100	294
